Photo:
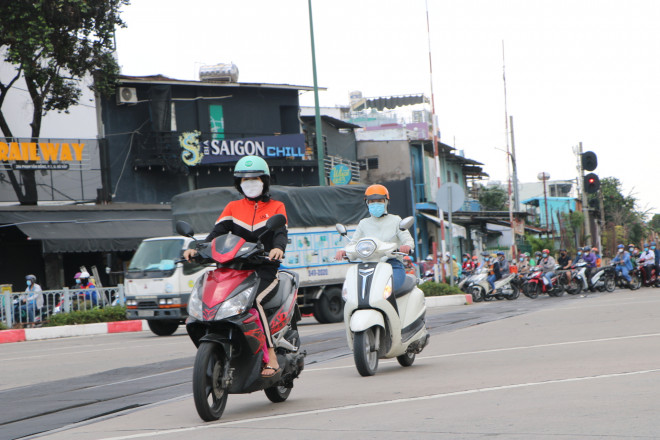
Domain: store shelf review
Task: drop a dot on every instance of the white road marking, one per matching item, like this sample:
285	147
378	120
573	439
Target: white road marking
496	350
373	404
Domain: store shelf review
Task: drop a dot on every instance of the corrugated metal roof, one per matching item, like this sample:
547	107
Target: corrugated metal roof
162	79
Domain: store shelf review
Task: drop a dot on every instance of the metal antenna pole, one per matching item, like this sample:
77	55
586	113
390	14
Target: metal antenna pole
509	160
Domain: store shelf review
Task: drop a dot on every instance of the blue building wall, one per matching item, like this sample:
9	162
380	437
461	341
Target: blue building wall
556	206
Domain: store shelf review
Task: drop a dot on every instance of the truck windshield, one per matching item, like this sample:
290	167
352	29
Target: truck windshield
156	255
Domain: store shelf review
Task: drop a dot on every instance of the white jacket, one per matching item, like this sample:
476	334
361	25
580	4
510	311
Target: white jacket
384	228
648	258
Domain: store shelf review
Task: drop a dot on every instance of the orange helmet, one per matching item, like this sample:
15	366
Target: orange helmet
376	192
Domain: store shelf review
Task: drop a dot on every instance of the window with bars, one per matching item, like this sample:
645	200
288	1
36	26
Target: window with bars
370	163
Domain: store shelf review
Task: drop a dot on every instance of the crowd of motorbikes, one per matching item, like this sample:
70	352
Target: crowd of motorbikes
579	278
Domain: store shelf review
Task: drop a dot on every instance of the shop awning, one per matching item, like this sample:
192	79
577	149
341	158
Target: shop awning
89	230
458	230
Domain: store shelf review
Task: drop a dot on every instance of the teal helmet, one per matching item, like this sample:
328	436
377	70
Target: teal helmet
252	166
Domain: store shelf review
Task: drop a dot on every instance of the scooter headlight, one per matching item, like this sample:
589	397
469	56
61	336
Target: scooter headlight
195	302
365	248
235	305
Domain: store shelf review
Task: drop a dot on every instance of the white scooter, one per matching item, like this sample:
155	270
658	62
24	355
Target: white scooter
381	323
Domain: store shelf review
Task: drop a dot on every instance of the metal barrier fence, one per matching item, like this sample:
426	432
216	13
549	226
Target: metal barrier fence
15	311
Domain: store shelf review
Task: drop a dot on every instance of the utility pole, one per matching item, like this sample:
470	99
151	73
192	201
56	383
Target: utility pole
516	197
320	154
602	219
545	177
436	156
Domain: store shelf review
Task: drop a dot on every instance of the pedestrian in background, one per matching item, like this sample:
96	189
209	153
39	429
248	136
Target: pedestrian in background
29	302
89	288
523	264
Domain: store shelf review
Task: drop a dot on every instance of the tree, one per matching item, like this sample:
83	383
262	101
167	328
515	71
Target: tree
621	212
654	224
538	243
493	198
52	45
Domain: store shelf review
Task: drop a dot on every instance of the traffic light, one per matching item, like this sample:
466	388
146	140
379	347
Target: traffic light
589	161
591	183
591	180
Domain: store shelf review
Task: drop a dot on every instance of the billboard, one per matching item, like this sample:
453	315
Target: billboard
66	169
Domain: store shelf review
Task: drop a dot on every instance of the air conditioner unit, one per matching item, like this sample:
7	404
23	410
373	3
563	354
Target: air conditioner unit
126	95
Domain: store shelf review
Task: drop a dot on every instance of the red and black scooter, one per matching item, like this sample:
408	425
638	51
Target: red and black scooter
648	276
535	284
227	331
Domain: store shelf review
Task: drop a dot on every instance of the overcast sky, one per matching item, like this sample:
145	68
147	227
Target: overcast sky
576	70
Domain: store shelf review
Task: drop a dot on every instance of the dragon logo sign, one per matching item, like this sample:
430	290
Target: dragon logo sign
191	154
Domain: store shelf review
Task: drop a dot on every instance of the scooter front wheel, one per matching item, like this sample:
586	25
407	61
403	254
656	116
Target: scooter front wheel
208	392
515	292
477	294
610	284
531	290
364	352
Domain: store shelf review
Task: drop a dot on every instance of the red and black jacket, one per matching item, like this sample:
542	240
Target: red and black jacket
247	219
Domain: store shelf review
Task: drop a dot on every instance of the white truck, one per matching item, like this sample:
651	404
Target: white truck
157	289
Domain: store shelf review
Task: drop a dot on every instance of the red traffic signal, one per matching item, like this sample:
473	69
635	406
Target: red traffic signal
591	183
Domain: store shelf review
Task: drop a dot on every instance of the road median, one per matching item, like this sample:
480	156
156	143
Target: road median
64	331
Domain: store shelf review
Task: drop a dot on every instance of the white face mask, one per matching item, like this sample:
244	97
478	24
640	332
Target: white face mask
252	188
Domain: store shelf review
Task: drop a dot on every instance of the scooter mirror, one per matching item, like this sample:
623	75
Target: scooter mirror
275	222
183	228
406	223
341	229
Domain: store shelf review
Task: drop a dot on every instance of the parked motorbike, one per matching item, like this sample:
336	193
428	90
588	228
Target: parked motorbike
229	335
535	283
603	279
635	280
381	323
429	275
577	281
507	287
648	276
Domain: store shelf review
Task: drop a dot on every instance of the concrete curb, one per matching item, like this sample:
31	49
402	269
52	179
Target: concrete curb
448	300
64	331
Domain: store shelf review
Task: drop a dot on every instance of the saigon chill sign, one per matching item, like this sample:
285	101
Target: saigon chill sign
216	151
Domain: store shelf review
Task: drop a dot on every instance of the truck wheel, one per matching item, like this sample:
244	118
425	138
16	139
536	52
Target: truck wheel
330	306
163	328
